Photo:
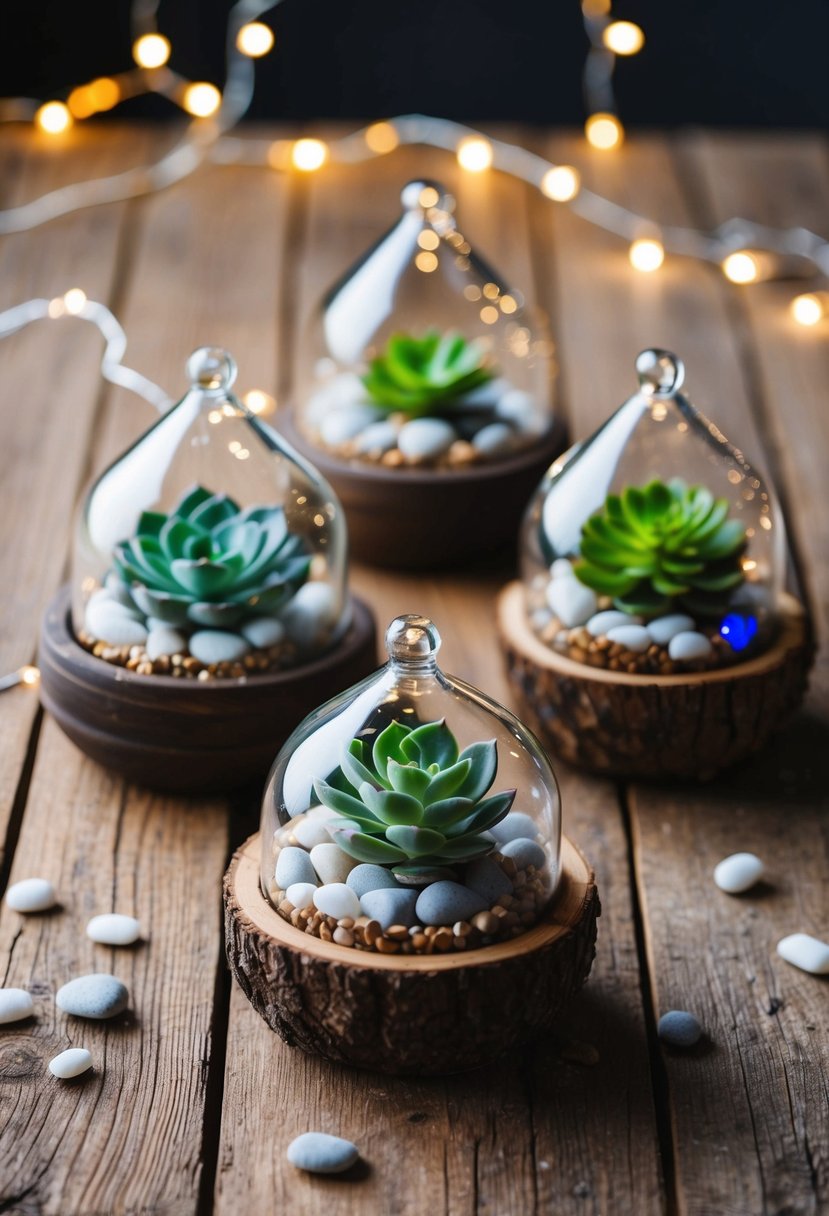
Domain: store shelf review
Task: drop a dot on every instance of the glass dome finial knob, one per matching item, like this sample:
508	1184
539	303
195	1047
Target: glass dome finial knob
412	639
660	372
211	367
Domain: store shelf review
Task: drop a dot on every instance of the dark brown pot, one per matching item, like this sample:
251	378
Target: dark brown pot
419	519
180	735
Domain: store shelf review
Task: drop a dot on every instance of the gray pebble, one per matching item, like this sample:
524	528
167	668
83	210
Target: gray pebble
263	631
425	438
494	439
165	641
514	825
689	646
96	996
319	1153
444	902
487	878
390	907
525	852
216	646
366	877
379	437
294	865
679	1029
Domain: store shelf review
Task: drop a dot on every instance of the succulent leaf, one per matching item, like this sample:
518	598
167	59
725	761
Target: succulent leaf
422	375
662	546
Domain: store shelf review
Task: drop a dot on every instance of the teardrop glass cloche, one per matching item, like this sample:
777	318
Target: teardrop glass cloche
411	813
421	355
654	547
209	548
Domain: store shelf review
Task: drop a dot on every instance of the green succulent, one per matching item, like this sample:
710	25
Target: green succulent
412	801
211	563
420	375
658	547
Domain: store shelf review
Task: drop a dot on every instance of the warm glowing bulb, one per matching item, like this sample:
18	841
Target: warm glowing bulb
809	309
646	254
54	118
604	131
81	102
740	267
201	99
309	154
29	675
474	154
254	39
560	183
104	93
151	50
623	38
259	402
381	137
427	262
74	301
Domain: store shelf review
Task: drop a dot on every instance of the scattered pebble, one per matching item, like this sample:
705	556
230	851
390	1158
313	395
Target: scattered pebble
112	622
524	852
633	637
444	902
494	439
679	1029
603	622
294	865
738	872
70	1063
319	1153
331	863
15	1004
366	877
96	996
390	907
571	601
425	438
113	929
689	646
263	631
31	895
337	900
164	640
378	437
806	952
664	628
217	646
487	878
309	831
310	614
512	826
301	894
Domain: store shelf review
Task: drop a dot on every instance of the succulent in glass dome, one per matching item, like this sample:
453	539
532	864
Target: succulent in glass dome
662	547
412	801
211	563
424	375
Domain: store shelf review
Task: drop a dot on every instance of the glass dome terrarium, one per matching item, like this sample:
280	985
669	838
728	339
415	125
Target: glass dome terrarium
209	550
654	548
411	814
421	356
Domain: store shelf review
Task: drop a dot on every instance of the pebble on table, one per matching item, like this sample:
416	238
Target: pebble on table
15	1004
806	952
319	1153
679	1029
31	895
95	996
70	1063
738	873
112	929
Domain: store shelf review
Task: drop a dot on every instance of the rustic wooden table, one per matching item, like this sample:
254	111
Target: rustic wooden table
194	1100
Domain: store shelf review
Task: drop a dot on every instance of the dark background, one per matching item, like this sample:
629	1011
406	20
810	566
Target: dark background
713	62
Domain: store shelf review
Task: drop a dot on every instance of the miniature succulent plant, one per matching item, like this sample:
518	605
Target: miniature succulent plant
660	546
421	375
412	801
210	562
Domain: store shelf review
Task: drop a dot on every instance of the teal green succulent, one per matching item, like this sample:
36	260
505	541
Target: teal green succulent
210	562
421	375
412	801
658	547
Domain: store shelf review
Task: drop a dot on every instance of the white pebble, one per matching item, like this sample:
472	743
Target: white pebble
110	622
341	424
310	832
571	601
806	952
523	411
379	437
113	929
217	646
95	996
331	863
663	628
70	1063
337	900
319	1153
165	640
738	872
263	631
562	567
425	438
600	624
31	895
633	637
494	440
15	1004
687	647
301	894
309	616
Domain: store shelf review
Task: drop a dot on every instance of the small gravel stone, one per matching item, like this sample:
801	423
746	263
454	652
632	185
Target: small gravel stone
113	929
444	902
738	872
301	894
31	895
217	646
111	622
688	646
70	1063
494	439
487	878
524	852
310	614
571	601
806	952
309	831
294	865
425	438
633	637
343	423
15	1004
601	624
678	1028
366	877
337	900
319	1153
390	907
331	863
263	631
96	996
514	825
164	640
664	628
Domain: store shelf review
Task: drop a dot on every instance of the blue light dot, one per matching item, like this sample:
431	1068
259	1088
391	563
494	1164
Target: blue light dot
738	631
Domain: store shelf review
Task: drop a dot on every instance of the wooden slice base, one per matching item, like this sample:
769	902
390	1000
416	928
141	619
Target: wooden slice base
689	726
423	519
408	1014
182	735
